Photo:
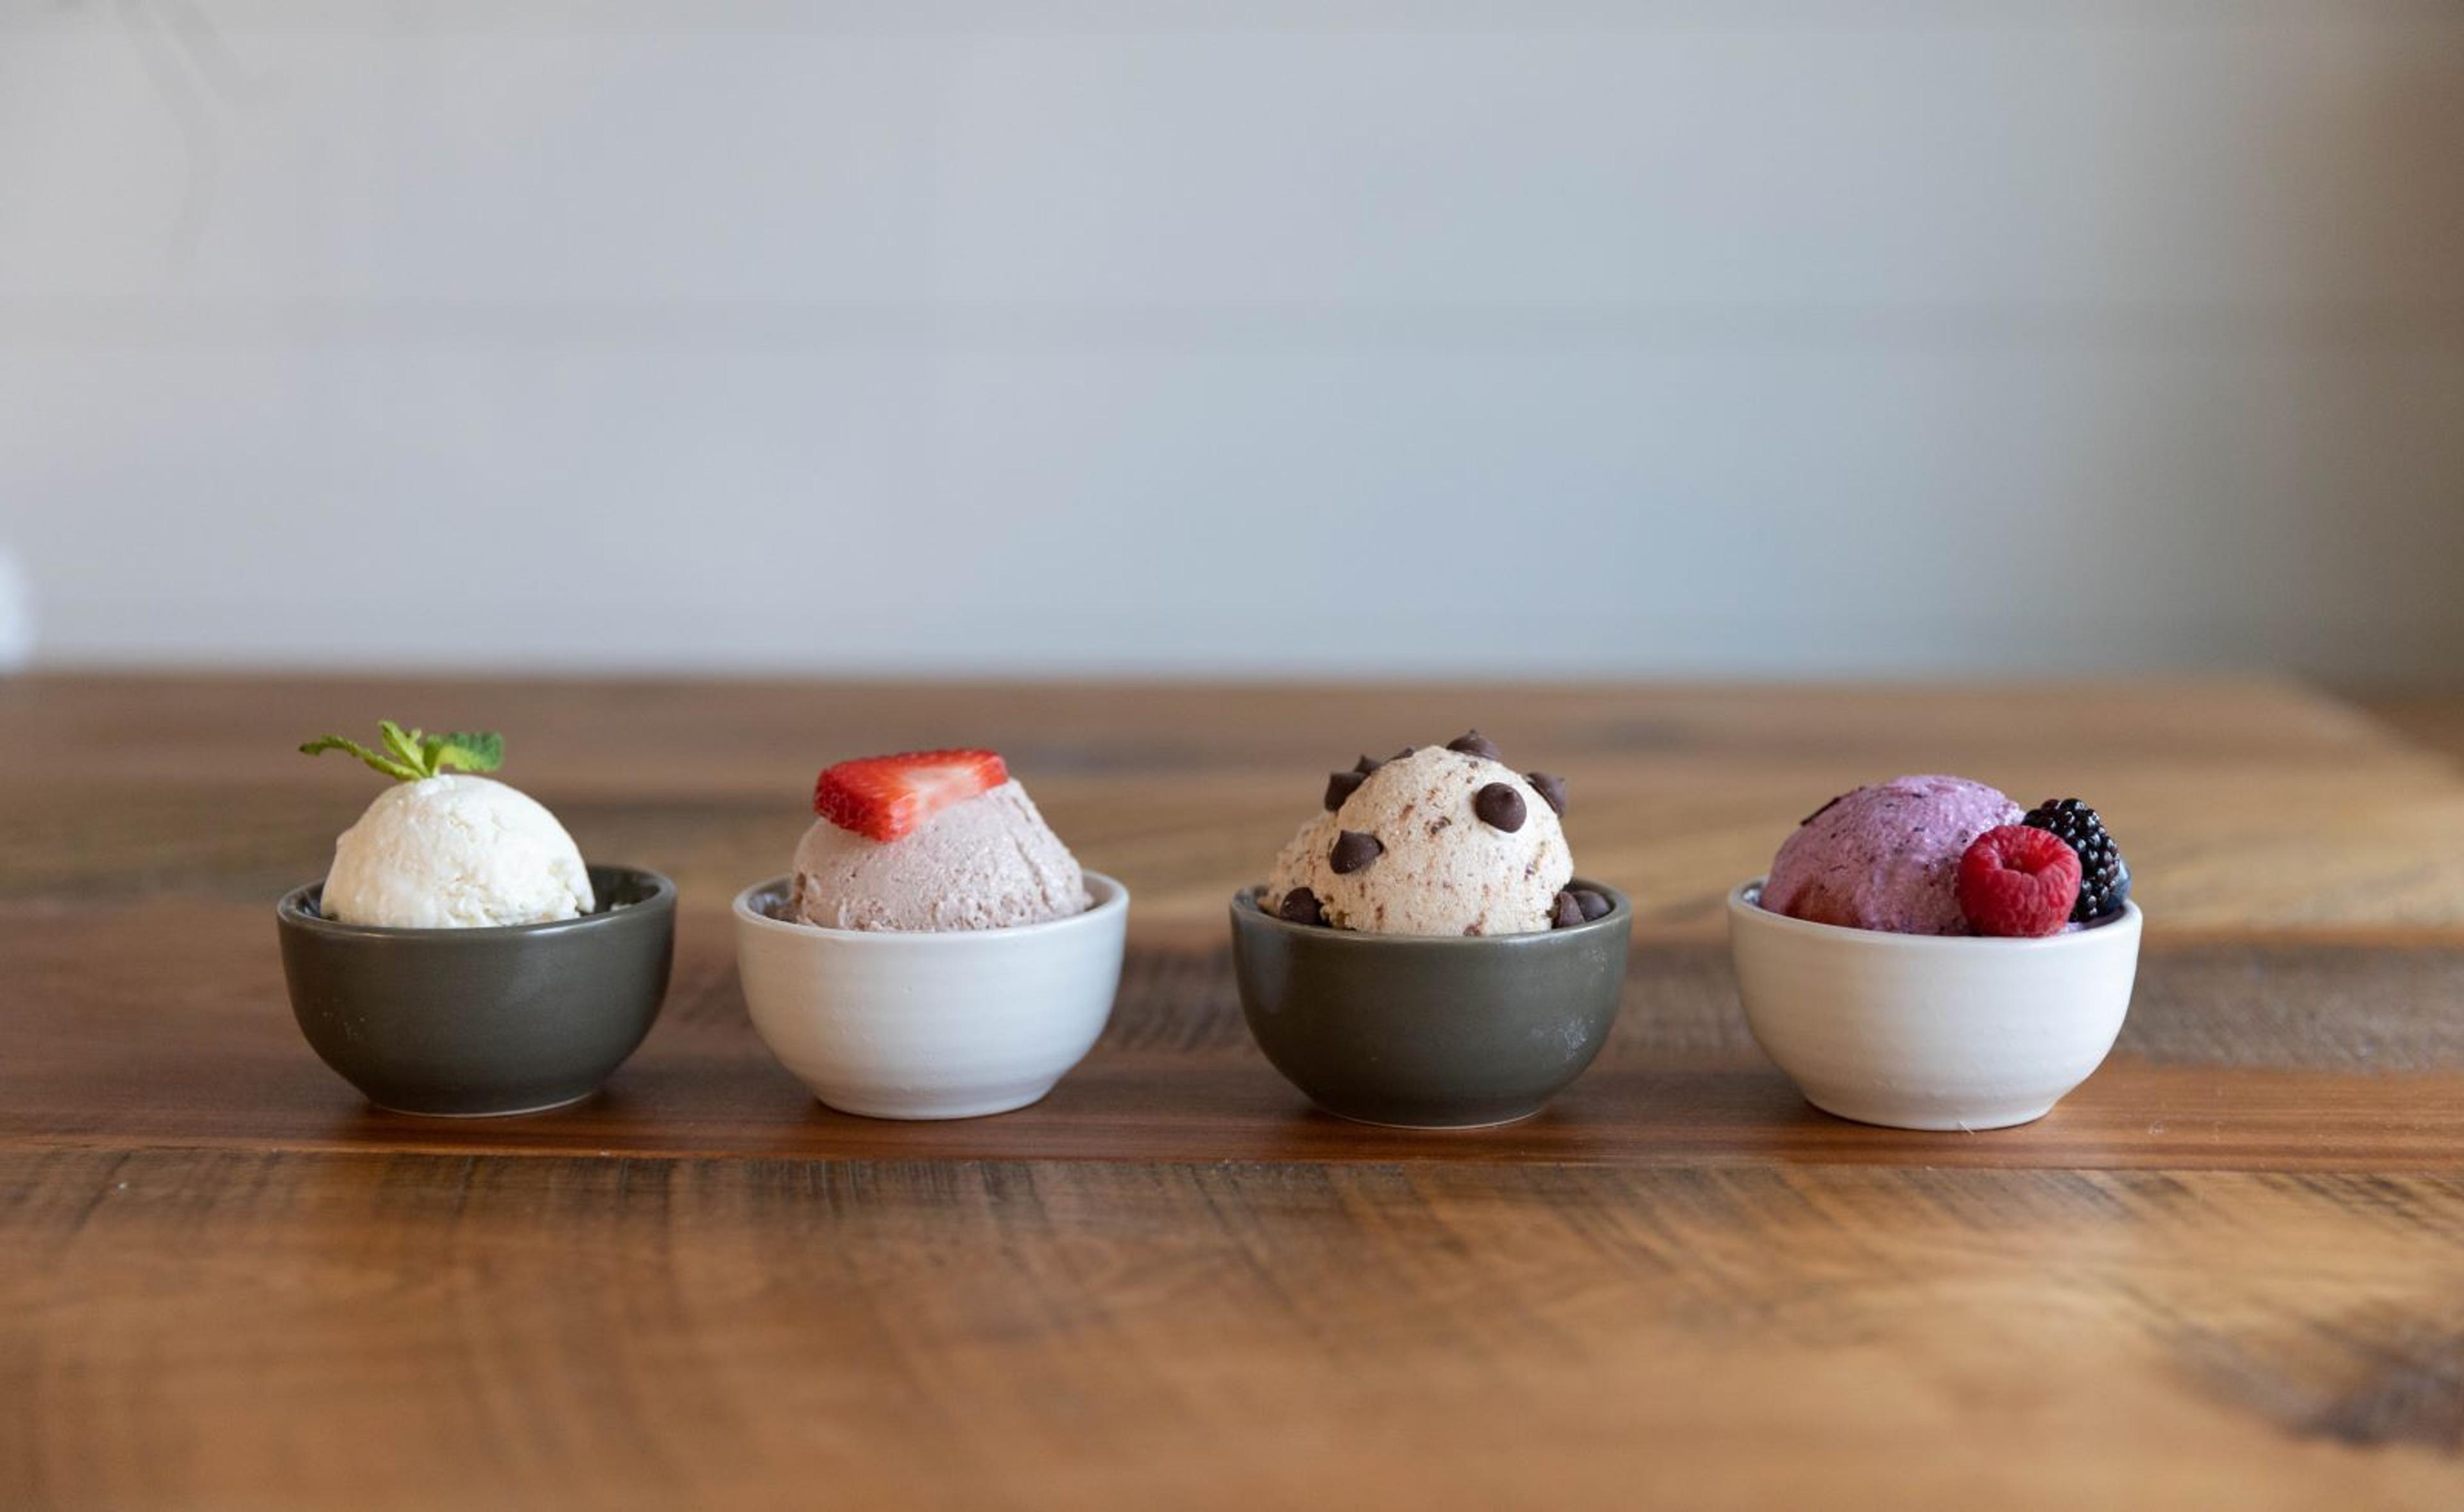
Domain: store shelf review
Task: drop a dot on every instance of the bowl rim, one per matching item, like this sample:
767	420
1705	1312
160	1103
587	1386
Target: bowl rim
1744	903
291	912
1244	903
1112	896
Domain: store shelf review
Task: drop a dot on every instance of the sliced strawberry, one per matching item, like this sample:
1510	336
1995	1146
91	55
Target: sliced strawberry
883	798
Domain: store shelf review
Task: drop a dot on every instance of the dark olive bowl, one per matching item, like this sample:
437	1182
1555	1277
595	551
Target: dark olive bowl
469	1023
1430	1031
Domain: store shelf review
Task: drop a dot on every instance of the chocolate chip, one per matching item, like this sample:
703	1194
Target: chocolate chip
1341	785
1820	812
1595	905
1499	806
1353	850
1400	755
1366	765
1300	906
1567	914
1472	742
1552	790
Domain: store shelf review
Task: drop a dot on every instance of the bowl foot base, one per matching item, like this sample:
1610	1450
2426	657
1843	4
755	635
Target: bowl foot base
484	1113
1977	1122
917	1110
1434	1127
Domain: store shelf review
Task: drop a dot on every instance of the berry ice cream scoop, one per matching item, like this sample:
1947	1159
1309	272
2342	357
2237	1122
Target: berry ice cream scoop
1443	840
1886	857
444	851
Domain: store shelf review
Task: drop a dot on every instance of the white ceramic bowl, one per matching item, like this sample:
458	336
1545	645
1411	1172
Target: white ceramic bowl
953	1023
1918	1031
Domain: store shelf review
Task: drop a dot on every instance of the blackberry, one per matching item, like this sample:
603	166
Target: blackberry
2104	877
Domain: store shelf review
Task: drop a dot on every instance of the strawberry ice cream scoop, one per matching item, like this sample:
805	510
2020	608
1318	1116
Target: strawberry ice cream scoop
985	861
1886	857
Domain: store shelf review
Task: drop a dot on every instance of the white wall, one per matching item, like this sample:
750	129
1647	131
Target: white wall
1471	336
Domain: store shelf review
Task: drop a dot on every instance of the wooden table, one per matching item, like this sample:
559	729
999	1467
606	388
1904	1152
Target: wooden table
2227	1272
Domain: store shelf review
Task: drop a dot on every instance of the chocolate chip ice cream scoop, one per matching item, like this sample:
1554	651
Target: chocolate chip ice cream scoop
1437	840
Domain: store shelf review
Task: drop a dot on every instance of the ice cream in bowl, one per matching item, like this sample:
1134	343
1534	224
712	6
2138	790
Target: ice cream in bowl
1924	955
937	951
460	958
1421	953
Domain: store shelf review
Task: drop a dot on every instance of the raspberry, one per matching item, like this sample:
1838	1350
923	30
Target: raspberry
2018	881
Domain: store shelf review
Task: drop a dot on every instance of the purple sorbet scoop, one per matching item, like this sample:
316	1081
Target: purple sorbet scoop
1886	857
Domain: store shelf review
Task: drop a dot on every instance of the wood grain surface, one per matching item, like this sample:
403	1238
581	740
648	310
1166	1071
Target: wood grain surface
423	1331
2227	1272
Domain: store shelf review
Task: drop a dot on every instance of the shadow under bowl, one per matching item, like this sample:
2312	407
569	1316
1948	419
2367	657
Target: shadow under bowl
482	1022
1430	1031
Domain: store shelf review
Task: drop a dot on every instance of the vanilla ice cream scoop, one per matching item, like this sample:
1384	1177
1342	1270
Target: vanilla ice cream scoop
444	851
1445	840
455	852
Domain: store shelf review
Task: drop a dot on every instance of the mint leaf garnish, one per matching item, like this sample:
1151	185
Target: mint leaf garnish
473	750
404	745
384	764
413	756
